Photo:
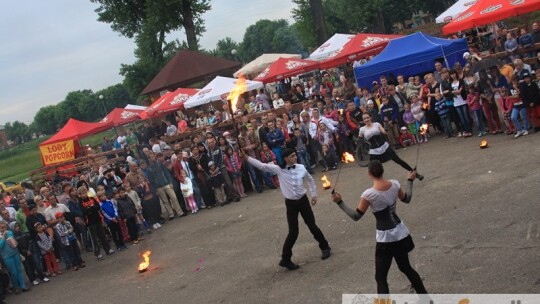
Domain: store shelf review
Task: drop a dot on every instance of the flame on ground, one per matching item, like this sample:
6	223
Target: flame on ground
146	263
325	182
238	90
347	158
424	129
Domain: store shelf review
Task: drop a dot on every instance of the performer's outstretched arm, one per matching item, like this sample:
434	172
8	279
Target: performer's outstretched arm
406	196
355	215
271	168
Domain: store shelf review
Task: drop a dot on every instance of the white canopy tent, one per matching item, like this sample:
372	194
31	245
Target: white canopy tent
218	89
454	11
135	107
331	46
262	62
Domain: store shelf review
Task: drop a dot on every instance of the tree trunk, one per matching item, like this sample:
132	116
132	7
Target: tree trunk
189	25
318	18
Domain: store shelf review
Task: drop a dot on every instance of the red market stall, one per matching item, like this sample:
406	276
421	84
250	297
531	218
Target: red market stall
489	11
64	145
285	68
360	46
119	117
171	101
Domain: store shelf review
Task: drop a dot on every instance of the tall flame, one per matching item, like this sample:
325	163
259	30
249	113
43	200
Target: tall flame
325	182
146	263
238	90
424	129
347	158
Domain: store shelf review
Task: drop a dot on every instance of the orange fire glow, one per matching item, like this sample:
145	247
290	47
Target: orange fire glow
424	129
238	90
325	182
347	158
144	265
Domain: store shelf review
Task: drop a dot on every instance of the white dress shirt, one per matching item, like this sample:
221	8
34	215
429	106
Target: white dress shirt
291	181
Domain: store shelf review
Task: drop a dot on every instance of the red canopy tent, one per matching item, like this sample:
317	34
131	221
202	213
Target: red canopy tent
360	46
76	129
120	116
488	11
286	67
169	102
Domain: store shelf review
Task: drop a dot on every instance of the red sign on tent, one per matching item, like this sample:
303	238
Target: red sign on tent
119	117
360	46
285	68
488	11
171	101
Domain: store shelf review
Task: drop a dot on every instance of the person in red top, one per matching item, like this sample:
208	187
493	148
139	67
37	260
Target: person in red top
353	117
406	138
234	167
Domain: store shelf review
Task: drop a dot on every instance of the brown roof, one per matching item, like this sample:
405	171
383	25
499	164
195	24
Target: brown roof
187	67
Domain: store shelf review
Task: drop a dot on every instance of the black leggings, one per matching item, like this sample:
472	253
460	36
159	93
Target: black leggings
390	154
382	266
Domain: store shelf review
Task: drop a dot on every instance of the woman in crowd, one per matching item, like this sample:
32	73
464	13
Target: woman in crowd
460	102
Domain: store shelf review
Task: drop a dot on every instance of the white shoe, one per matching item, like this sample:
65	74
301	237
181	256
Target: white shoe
459	134
525	132
45	279
158	225
35	282
155	226
518	134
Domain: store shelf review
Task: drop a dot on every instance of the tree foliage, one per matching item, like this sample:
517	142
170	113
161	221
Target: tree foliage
224	49
269	36
18	132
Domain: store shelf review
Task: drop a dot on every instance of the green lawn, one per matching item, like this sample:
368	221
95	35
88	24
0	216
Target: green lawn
17	162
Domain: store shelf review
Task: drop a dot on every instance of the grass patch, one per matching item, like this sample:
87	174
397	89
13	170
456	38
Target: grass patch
17	162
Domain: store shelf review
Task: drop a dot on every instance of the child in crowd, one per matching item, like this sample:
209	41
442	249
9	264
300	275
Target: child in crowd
284	129
406	138
408	119
234	167
217	183
518	108
325	137
268	157
69	241
417	110
506	108
444	114
473	100
343	132
128	213
187	191
110	213
44	242
121	222
23	245
298	143
329	158
141	221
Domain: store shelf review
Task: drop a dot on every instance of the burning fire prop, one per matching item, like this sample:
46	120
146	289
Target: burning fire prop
235	93
143	266
483	144
423	131
347	158
326	183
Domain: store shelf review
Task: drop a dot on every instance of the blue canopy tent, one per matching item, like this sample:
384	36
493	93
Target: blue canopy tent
411	55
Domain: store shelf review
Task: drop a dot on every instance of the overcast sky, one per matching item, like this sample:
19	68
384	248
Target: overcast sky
50	48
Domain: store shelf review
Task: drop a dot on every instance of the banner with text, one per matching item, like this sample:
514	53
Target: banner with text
58	152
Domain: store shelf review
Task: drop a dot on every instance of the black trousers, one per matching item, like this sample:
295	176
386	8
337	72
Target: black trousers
383	260
116	234
98	233
390	154
294	207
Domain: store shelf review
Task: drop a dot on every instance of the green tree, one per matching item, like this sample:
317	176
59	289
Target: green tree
18	132
131	17
224	49
45	120
263	37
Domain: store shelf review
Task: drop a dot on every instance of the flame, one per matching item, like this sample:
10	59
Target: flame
483	144
238	90
325	182
425	106
424	129
146	263
347	158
